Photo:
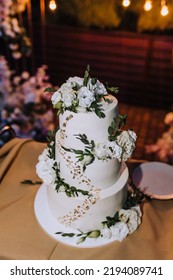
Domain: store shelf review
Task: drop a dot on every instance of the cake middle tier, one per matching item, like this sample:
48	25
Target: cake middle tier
100	173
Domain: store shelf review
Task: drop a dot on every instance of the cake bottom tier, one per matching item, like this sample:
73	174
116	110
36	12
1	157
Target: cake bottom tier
86	213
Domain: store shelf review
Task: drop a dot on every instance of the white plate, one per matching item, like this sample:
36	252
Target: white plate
51	225
154	179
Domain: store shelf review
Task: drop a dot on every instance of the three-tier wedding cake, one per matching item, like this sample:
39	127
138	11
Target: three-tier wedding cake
84	168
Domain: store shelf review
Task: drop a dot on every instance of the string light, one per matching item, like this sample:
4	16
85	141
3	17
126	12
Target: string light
126	3
52	5
164	8
148	5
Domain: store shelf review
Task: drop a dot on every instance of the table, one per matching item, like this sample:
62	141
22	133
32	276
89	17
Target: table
22	238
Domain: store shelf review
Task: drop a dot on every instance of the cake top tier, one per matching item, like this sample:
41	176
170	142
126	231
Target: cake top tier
82	95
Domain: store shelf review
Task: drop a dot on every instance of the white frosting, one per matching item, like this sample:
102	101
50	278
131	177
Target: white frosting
86	213
104	179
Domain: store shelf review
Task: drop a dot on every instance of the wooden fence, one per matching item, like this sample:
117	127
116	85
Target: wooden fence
140	65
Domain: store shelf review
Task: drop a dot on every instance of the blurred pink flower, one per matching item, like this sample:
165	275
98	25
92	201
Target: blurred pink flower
10	28
25	75
163	148
24	105
169	118
16	55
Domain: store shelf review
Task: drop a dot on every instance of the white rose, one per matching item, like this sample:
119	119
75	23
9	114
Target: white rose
49	163
100	89
49	177
68	98
56	97
114	150
76	81
106	232
44	168
133	223
132	134
119	231
44	155
138	210
124	215
86	97
41	168
127	155
66	88
122	138
127	143
100	151
131	217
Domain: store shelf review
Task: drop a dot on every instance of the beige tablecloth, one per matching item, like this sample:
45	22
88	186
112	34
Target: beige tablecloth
21	236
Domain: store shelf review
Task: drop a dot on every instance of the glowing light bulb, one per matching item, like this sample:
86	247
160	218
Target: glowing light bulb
52	5
148	5
126	3
164	11
164	8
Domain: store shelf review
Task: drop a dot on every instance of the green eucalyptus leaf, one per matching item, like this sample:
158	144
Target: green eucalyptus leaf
107	100
110	130
113	89
92	144
99	113
68	234
49	89
78	152
85	192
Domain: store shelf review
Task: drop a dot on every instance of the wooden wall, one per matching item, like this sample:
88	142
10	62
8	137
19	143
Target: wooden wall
140	65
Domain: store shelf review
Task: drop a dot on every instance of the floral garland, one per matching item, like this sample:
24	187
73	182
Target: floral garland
120	146
123	223
81	95
48	170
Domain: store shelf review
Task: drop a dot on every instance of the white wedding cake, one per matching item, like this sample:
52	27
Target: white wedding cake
84	168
